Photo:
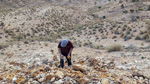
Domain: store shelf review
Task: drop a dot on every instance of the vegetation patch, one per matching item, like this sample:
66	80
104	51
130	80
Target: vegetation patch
3	45
113	48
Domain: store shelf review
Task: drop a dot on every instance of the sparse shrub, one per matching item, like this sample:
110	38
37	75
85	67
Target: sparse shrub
17	37
135	0
148	8
1	23
132	10
134	30
26	42
88	44
127	37
117	32
124	29
140	9
137	38
85	44
28	34
141	32
104	37
127	32
145	37
122	6
3	45
114	37
125	11
122	34
104	17
99	7
94	15
46	44
113	48
15	18
96	46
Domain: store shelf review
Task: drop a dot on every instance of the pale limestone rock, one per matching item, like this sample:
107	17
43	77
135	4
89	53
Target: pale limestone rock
35	82
60	81
79	67
60	74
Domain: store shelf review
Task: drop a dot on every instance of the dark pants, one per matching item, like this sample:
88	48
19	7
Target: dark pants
68	60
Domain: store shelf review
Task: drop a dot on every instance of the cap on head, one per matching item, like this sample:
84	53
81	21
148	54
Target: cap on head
64	43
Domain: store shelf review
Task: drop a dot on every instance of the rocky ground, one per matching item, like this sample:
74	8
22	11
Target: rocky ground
38	63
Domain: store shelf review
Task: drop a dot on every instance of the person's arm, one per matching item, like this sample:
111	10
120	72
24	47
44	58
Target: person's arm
59	51
70	51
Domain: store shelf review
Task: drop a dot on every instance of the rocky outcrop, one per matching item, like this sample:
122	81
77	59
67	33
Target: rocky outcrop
100	73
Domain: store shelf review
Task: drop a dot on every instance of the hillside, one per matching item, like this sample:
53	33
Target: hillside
111	40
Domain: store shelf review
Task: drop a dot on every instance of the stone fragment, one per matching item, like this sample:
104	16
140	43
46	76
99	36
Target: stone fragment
60	81
83	80
55	58
105	81
47	69
49	77
92	61
10	76
14	79
79	75
1	78
35	82
53	79
45	61
10	55
40	77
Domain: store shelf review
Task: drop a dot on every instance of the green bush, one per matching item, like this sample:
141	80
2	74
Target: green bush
137	38
140	9
145	37
132	10
114	37
99	7
122	6
113	48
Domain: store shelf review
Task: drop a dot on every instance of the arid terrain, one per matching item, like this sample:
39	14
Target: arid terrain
111	41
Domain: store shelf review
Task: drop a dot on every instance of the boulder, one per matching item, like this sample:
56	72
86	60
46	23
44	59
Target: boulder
60	74
1	78
10	76
81	68
50	76
40	77
21	80
79	75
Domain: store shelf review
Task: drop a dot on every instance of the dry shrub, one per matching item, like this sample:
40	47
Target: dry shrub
114	47
3	45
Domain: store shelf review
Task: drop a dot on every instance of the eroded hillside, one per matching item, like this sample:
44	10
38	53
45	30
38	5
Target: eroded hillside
111	40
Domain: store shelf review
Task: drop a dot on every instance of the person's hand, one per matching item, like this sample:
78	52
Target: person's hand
68	56
61	56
